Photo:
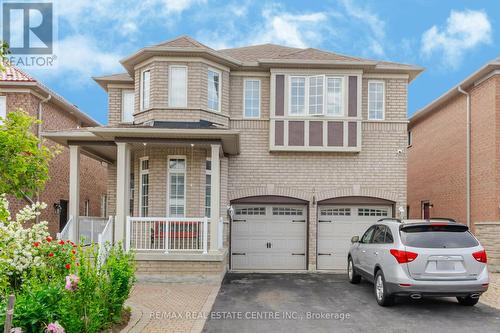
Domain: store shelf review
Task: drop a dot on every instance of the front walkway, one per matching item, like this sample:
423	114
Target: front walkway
170	307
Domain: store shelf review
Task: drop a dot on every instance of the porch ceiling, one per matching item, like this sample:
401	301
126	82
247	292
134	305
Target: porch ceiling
100	142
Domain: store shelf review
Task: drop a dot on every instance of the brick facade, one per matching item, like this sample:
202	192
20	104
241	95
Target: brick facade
93	174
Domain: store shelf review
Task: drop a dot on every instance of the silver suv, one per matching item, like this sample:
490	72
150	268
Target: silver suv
418	258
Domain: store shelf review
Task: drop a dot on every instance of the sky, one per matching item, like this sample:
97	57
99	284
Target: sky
450	38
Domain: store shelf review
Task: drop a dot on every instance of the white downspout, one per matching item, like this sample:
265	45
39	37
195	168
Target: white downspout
39	135
468	167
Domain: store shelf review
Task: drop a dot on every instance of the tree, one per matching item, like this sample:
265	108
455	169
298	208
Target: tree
24	161
4	50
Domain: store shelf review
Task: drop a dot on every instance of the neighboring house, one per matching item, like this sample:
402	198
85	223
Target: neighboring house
306	147
18	90
439	159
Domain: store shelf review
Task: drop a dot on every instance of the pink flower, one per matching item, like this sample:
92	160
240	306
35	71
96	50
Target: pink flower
54	328
48	239
72	282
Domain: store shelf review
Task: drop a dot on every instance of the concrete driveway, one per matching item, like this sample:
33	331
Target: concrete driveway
328	303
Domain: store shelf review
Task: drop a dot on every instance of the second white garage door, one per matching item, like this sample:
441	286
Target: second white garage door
337	225
269	237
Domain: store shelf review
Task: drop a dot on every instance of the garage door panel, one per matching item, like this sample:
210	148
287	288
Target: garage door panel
334	237
281	226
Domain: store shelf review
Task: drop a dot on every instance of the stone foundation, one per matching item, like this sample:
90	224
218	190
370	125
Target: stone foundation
488	234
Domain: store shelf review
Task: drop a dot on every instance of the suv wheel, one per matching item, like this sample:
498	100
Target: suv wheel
467	300
354	277
381	294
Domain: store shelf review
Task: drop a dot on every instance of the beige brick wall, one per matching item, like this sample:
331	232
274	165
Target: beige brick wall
93	175
236	96
487	233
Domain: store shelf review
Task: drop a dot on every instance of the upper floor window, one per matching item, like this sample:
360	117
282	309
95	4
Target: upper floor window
318	95
145	89
177	89
144	186
251	98
128	100
3	108
334	96
208	186
177	186
376	100
214	90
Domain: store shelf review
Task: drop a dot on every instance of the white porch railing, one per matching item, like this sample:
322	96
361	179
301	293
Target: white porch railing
105	240
167	234
91	227
64	234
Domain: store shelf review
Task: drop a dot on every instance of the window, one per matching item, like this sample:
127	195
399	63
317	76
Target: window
367	236
144	187
382	235
86	208
316	84
287	211
208	186
438	237
145	89
177	90
132	193
3	108
334	95
128	100
177	187
213	90
372	212
252	98
297	95
251	211
336	212
376	100
104	205
410	139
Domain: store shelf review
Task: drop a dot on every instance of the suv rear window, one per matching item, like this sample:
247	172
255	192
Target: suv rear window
432	236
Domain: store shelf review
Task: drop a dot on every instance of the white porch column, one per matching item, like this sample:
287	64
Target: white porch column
74	191
215	198
122	189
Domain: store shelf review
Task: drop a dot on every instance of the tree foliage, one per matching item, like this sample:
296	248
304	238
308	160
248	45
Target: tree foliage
24	161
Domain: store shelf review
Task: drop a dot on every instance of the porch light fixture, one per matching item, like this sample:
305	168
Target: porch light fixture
57	208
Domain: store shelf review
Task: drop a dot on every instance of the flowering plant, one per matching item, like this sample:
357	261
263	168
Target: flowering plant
72	282
54	328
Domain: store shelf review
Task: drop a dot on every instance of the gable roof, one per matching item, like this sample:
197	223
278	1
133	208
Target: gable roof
182	41
15	77
120	78
255	52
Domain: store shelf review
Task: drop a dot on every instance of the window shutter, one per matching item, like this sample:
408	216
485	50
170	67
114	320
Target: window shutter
353	97
280	96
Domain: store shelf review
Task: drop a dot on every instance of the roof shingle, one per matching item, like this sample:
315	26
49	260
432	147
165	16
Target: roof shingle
14	74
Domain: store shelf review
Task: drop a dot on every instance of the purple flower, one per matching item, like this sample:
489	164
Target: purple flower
72	282
54	328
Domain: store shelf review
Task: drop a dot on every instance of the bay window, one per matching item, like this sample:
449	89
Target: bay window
176	186
376	100
316	94
177	88
145	89
214	90
297	95
334	95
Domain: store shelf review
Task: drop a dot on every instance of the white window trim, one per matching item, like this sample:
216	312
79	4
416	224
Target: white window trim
220	89
306	95
308	87
124	91
343	99
3	102
143	172
176	157
170	85
383	99
244	99
141	89
208	173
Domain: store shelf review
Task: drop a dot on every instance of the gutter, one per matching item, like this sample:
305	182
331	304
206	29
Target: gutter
467	159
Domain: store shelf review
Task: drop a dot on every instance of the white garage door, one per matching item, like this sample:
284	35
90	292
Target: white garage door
269	237
337	225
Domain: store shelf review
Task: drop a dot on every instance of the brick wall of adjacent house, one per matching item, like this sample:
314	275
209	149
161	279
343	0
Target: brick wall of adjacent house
377	171
93	174
437	158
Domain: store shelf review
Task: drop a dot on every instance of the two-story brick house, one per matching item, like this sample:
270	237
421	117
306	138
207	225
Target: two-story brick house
453	157
289	153
19	90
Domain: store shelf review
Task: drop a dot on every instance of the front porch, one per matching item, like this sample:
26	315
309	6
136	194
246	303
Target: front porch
164	191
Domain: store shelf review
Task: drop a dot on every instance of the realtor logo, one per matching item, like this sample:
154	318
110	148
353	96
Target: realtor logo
28	27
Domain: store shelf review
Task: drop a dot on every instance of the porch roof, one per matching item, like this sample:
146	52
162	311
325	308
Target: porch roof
100	142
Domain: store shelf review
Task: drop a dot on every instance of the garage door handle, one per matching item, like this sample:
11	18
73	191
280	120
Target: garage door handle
298	221
324	254
239	254
239	220
325	221
298	254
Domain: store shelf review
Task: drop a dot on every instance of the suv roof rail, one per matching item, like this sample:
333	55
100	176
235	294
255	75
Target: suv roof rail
390	219
443	219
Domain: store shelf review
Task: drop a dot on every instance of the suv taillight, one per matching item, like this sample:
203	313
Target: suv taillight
404	257
480	256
